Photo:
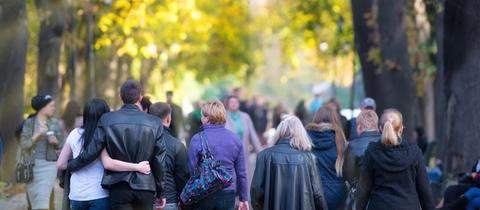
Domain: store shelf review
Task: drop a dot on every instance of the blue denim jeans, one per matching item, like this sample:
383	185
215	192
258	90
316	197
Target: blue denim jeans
97	204
220	200
171	206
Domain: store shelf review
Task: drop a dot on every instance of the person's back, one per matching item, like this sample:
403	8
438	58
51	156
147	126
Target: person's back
286	176
394	171
130	137
176	165
354	154
393	175
288	172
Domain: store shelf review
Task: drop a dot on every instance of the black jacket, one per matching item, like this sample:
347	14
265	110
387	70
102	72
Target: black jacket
354	154
286	178
176	167
394	178
132	136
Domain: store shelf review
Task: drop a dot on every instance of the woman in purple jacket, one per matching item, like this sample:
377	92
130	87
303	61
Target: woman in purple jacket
225	147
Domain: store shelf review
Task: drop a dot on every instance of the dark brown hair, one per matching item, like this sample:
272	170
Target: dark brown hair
160	109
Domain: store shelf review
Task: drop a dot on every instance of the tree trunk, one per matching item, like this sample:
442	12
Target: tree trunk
90	53
52	26
71	51
462	80
381	43
13	45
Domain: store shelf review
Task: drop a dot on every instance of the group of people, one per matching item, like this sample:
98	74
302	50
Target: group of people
131	159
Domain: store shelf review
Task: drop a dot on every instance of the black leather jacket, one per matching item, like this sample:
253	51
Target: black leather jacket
132	136
176	167
354	154
286	178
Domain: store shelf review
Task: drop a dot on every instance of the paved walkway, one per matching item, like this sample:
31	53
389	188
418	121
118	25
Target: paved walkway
19	201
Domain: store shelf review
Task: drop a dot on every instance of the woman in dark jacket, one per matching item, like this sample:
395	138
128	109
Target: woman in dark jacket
393	175
328	143
286	176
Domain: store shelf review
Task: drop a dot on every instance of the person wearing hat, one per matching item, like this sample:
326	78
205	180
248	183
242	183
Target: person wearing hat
41	137
351	130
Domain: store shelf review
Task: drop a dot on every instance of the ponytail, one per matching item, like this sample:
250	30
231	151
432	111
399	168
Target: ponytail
389	135
392	124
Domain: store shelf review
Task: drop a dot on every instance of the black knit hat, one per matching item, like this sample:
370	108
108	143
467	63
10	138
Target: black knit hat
40	101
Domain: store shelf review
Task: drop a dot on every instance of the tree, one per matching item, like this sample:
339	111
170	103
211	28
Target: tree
13	45
461	80
381	44
52	26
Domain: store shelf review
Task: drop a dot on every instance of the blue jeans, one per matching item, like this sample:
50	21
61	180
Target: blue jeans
97	204
220	200
171	206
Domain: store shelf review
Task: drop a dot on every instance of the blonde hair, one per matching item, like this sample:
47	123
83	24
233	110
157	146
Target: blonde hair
326	114
391	124
215	112
291	129
368	119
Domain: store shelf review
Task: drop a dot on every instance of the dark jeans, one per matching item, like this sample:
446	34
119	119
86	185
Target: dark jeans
122	197
220	200
97	204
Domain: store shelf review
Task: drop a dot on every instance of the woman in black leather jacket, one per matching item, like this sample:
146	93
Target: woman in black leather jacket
286	176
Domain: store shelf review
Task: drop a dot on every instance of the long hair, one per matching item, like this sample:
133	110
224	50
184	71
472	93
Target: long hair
327	115
291	129
391	123
92	112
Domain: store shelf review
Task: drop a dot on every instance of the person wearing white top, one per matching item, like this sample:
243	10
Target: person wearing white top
86	191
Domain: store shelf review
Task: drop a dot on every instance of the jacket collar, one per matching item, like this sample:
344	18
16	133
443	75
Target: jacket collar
370	133
168	130
130	107
283	141
209	127
321	127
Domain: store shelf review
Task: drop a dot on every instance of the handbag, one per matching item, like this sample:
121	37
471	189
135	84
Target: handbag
24	169
25	164
209	176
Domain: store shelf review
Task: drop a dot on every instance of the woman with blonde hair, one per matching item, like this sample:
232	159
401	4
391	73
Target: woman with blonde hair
328	140
225	147
393	175
286	176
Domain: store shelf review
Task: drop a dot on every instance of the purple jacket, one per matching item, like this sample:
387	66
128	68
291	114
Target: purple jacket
227	148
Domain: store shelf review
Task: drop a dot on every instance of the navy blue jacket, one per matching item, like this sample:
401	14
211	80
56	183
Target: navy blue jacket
325	151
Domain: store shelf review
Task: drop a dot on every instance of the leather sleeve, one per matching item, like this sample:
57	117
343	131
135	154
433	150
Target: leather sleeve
181	167
349	165
158	162
365	182
257	188
315	179
91	153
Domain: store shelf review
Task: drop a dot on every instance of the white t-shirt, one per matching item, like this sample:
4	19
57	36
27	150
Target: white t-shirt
85	184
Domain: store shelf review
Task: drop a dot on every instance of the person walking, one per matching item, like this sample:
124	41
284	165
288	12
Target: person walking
85	190
41	138
326	133
176	164
393	173
367	130
366	104
241	124
227	148
176	126
286	176
129	135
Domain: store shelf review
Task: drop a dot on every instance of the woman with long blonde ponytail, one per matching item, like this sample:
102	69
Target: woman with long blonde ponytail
393	175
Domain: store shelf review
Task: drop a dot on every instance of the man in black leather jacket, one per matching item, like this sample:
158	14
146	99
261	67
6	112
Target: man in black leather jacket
367	130
133	136
176	163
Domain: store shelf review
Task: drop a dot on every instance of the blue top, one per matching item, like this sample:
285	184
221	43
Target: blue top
226	147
